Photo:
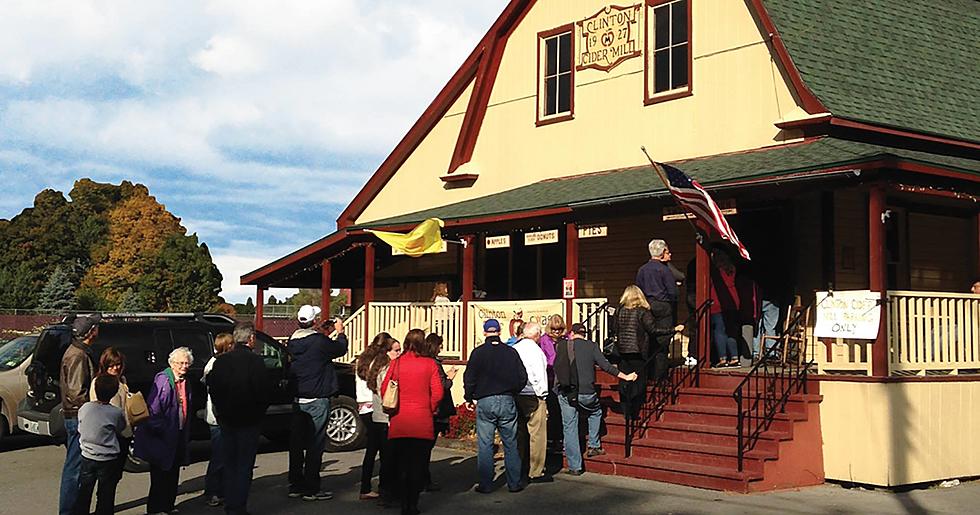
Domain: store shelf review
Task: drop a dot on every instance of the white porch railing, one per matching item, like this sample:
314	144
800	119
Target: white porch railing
397	318
931	333
356	338
582	308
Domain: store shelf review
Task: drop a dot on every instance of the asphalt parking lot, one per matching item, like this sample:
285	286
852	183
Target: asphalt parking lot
32	467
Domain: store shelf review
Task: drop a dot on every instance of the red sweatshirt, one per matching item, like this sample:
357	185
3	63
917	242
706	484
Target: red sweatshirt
419	393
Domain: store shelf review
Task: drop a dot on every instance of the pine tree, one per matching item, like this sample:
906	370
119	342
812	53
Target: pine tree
131	302
59	292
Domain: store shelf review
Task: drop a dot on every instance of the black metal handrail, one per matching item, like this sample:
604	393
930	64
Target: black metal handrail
766	388
666	390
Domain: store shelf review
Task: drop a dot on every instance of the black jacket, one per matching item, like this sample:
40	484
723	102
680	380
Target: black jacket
581	376
634	327
239	387
494	368
311	372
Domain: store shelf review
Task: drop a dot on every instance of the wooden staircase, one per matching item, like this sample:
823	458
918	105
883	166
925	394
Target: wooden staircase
695	441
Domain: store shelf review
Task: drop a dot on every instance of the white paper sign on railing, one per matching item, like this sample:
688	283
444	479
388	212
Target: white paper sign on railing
848	314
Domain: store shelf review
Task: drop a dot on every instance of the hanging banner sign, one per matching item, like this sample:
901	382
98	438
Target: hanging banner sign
498	242
848	314
396	252
541	237
609	37
510	314
592	231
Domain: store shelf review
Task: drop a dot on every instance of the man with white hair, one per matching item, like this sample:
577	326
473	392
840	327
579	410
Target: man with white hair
532	410
659	285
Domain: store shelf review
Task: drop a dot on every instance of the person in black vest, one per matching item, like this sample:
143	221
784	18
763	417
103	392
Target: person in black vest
238	384
315	381
575	363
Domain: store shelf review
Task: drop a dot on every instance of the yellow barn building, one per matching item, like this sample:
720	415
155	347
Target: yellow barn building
841	137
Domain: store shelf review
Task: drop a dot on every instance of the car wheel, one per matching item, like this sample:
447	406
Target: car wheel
345	431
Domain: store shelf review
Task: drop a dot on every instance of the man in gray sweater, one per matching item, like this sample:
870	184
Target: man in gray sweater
99	426
575	362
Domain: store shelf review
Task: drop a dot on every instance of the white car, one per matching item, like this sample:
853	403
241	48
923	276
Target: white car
15	357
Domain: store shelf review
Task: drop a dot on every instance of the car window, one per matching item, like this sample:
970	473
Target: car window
132	341
51	347
271	353
198	341
14	352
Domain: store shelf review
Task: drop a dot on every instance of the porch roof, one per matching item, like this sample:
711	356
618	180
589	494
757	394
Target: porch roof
761	165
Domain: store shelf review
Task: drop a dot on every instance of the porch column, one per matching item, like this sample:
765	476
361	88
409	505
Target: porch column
571	266
469	267
368	288
877	276
259	307
325	288
701	294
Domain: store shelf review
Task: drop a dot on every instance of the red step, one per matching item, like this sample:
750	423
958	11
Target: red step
688	452
690	474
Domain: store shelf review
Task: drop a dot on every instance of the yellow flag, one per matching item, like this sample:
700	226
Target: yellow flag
426	238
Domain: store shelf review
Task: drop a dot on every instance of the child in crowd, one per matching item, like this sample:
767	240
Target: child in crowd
99	427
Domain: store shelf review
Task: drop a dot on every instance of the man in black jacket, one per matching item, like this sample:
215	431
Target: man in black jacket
575	362
494	375
238	387
315	381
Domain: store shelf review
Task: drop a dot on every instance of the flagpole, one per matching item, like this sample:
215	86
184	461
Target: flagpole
698	235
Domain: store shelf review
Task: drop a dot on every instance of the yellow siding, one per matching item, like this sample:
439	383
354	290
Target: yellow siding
939	252
851	235
900	433
738	96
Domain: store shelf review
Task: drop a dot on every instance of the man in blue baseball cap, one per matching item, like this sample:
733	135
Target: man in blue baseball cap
494	375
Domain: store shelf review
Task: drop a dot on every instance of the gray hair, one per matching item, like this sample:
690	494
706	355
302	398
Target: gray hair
532	330
181	350
657	248
244	331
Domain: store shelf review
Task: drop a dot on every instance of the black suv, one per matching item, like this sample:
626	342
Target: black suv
147	340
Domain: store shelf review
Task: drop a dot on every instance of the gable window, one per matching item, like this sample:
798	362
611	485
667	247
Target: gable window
668	50
556	76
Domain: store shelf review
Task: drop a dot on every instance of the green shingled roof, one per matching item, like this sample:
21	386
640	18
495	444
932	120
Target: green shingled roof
642	181
910	64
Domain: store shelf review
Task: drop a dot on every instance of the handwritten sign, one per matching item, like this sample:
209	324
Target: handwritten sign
510	313
609	37
848	314
541	237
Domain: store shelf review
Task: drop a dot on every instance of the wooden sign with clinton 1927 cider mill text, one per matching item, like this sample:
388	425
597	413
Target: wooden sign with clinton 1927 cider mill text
609	37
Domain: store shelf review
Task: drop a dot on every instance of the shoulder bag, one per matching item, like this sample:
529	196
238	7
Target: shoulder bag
136	410
389	402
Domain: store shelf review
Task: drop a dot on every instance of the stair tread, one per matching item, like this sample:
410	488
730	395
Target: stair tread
678	466
718	450
725	410
721	430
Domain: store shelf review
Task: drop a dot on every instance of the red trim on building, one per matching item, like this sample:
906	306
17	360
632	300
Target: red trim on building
459	177
851	124
649	99
259	307
571	264
539	121
702	292
805	122
468	272
877	276
811	103
368	273
325	288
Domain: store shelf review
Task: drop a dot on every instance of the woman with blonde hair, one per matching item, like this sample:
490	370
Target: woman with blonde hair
440	292
635	328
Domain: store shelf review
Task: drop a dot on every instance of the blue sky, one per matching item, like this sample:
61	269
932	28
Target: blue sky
254	122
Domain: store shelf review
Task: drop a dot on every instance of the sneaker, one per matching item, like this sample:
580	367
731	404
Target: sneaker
542	479
480	490
369	496
520	488
691	361
319	496
294	494
214	501
595	451
571	472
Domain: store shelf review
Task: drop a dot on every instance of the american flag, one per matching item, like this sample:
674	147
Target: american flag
691	196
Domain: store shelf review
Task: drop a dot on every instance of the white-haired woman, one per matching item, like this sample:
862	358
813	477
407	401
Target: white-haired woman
162	439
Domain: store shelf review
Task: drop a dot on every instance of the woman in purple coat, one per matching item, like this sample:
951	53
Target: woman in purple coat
162	439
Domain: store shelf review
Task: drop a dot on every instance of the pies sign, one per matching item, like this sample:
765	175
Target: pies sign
609	37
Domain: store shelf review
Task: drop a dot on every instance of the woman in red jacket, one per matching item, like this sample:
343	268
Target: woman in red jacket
410	428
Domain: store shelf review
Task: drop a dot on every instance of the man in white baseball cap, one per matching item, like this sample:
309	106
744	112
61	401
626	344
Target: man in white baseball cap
315	380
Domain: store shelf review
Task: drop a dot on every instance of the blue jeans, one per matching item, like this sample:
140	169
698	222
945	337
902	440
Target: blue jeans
497	413
767	325
73	466
588	403
240	444
214	480
726	345
306	441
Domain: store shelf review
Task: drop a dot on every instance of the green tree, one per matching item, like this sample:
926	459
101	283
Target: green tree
182	277
59	292
131	301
